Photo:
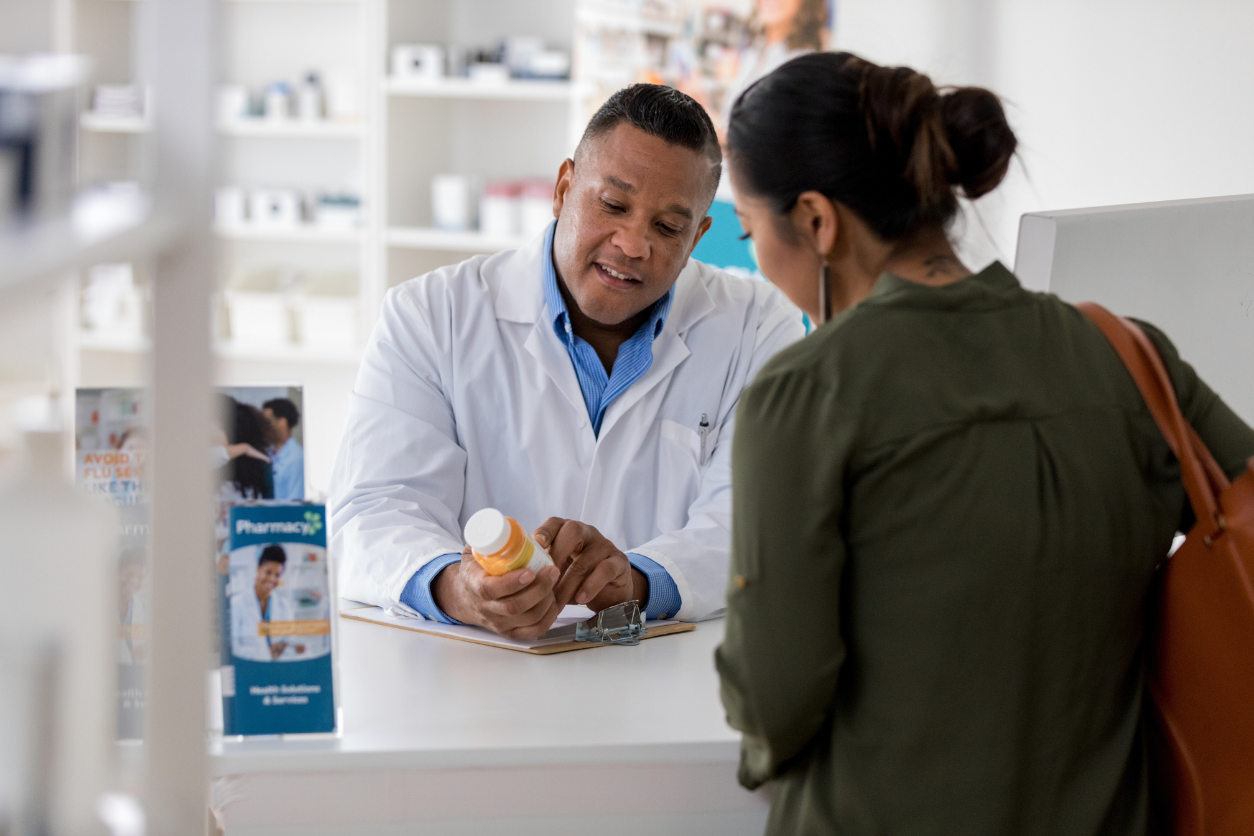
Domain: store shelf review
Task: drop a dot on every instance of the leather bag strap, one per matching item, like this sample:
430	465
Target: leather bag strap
1203	478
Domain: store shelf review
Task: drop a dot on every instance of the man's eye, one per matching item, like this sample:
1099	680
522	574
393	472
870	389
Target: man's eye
744	237
669	230
613	207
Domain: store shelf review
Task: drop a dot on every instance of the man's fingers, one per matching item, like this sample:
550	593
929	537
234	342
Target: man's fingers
520	602
606	571
545	534
571	539
575	575
540	627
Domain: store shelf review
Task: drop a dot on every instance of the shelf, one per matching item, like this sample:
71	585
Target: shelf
104	225
464	88
627	20
294	128
101	123
420	238
225	349
307	234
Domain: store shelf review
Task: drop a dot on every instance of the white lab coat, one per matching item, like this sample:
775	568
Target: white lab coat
467	399
246	615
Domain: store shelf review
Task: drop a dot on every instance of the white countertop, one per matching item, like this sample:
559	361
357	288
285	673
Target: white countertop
418	701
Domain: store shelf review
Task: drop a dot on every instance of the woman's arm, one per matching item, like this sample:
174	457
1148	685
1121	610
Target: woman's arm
1229	439
783	648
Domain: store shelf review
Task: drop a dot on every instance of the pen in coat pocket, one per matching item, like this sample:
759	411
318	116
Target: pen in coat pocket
704	429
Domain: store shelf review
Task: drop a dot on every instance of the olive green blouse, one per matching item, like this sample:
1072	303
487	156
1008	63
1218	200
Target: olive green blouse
948	505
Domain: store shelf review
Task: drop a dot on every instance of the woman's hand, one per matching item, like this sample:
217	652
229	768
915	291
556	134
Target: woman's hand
237	450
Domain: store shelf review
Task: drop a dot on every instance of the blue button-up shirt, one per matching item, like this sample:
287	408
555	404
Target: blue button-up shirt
635	357
289	471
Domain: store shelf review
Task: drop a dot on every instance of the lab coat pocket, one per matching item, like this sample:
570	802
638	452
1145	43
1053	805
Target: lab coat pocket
678	474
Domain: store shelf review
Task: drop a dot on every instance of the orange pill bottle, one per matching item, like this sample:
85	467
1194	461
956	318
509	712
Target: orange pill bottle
500	545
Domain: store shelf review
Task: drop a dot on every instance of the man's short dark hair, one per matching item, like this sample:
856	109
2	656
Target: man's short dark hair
283	408
663	112
272	553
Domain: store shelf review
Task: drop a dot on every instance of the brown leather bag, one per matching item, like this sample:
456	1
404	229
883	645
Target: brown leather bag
1201	660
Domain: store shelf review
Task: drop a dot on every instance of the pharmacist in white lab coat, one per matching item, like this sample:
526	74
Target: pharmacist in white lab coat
585	385
262	601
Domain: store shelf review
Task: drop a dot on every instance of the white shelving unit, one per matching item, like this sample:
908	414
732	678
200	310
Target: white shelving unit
291	128
99	123
304	234
419	238
464	88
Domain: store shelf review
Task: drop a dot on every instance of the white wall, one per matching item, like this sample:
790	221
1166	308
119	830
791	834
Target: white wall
1114	101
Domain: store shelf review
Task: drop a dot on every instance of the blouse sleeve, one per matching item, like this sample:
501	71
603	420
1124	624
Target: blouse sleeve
783	647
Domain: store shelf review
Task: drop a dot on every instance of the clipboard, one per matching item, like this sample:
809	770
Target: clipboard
559	639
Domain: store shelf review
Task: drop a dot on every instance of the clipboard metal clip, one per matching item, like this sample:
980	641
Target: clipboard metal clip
620	624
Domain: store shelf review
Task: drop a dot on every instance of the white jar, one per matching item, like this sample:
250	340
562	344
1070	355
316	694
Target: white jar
450	202
498	209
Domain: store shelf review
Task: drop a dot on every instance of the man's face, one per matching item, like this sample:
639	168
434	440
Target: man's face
630	212
268	574
279	423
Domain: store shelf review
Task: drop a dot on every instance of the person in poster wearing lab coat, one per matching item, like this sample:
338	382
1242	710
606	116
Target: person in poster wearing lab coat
258	602
585	385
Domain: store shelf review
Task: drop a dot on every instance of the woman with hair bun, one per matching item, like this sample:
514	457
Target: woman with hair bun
949	501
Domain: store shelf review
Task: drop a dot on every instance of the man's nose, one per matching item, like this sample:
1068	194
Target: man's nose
632	239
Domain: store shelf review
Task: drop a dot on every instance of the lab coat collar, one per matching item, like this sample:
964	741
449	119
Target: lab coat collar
519	275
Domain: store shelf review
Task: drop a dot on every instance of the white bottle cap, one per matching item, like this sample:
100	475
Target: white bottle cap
487	531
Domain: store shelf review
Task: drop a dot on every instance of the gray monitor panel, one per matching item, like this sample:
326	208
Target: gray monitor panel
1187	266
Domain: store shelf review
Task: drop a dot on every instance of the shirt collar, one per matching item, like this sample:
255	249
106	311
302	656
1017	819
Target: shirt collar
557	305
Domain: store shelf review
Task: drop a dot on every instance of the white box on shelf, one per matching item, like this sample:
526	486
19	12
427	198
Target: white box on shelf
230	206
260	320
499	208
450	202
535	211
420	61
274	208
112	306
327	312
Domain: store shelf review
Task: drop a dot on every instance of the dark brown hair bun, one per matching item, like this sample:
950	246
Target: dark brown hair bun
982	141
884	141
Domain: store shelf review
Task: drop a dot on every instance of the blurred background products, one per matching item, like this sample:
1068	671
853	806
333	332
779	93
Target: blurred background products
450	202
316	97
515	57
38	134
279	209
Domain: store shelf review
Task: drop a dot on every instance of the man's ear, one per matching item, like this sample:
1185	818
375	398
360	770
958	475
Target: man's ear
702	229
565	176
815	219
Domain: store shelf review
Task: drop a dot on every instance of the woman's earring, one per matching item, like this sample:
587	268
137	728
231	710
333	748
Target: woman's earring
825	294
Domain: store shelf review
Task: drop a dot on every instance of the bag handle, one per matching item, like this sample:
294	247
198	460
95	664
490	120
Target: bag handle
1203	478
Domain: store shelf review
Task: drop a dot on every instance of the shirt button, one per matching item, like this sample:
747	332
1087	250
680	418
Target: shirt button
740	581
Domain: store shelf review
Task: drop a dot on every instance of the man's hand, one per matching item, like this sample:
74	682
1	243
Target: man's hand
594	571
519	604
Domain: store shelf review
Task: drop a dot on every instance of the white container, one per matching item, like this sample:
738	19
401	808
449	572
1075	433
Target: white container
418	61
230	207
274	208
327	323
535	211
342	91
338	212
450	202
485	73
232	104
112	304
259	320
309	99
278	102
499	209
